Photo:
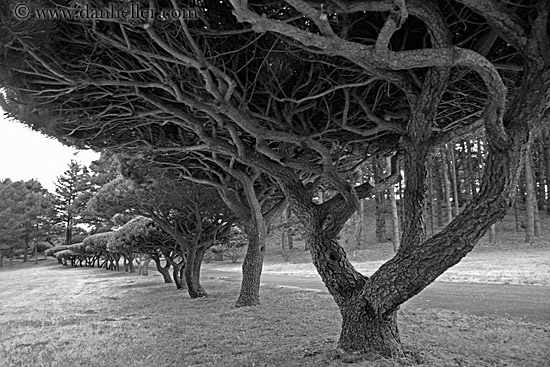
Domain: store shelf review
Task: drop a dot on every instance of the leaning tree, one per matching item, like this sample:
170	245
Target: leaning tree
306	92
194	215
142	235
253	196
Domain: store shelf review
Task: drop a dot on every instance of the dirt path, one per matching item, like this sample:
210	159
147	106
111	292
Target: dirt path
529	303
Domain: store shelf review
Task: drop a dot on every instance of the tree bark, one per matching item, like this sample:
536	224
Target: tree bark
192	271
253	263
380	210
530	200
285	236
439	191
361	326
284	245
431	196
163	270
540	174
516	215
35	253
547	165
454	178
288	213
144	266
27	239
470	167
394	212
360	232
446	187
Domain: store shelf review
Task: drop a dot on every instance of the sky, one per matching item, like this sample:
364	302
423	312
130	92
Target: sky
27	154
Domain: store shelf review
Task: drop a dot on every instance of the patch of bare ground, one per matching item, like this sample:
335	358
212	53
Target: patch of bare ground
56	316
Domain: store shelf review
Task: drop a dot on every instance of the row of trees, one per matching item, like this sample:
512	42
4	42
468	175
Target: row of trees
33	218
25	213
454	175
263	99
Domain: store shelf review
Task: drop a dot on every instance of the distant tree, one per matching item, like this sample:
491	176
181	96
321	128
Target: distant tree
143	236
25	215
98	246
71	194
193	214
101	172
530	200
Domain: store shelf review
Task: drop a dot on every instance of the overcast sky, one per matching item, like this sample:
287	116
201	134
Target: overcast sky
26	154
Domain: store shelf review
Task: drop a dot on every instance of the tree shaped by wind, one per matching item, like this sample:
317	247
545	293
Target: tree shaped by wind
306	92
193	215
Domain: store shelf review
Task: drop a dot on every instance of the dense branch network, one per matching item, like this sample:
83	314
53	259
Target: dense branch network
302	94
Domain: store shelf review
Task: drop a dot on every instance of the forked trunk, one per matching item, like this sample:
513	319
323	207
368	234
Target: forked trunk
163	270
252	266
178	269
178	272
365	331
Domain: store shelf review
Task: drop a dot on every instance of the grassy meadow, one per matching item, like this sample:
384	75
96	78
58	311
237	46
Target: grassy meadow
57	316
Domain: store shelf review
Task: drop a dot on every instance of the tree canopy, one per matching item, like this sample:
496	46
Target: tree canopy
195	216
26	214
305	92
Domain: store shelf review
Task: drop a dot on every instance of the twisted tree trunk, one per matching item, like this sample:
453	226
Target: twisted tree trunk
163	270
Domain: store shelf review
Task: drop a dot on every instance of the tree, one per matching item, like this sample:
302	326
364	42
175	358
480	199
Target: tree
194	215
530	201
98	246
102	171
141	235
25	214
71	197
252	196
301	91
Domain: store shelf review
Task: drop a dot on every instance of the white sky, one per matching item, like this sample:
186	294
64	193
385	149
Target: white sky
27	154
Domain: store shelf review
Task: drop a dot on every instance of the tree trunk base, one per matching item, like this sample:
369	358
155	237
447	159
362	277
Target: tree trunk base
364	332
247	301
197	293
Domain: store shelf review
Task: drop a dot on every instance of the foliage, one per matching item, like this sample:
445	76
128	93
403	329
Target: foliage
142	235
52	251
189	212
71	194
102	171
305	93
99	242
25	213
233	246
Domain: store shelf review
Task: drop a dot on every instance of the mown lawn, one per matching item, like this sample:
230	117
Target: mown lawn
56	316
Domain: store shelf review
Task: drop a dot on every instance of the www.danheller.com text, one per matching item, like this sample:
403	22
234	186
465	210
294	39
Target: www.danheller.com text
129	11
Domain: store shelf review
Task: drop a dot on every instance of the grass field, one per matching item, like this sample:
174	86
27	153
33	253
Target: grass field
524	267
57	316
